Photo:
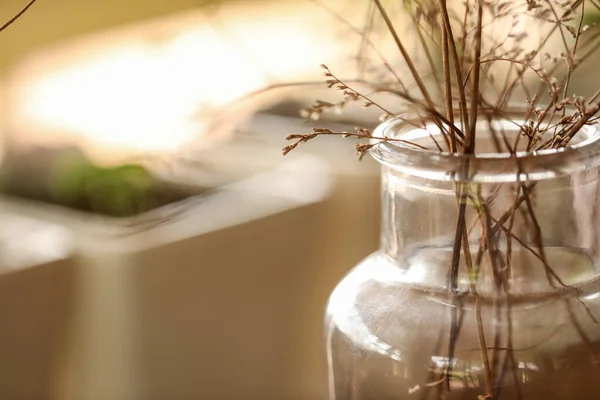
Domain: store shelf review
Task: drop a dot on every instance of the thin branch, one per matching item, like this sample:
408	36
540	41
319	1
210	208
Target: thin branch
457	66
448	85
17	16
405	55
571	53
475	95
427	51
365	40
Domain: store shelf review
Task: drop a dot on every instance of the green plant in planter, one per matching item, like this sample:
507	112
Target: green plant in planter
119	191
66	177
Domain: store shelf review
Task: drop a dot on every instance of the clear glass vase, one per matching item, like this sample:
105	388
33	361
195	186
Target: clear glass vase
487	282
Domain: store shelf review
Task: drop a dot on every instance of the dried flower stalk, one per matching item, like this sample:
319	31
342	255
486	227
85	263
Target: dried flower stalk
17	15
466	80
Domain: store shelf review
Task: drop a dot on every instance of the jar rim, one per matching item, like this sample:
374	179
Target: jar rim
484	167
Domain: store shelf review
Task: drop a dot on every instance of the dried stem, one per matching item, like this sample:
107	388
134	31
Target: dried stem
17	16
366	41
448	85
466	73
457	65
405	55
475	99
571	53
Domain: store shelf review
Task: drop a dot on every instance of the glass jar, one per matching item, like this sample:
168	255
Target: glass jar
487	281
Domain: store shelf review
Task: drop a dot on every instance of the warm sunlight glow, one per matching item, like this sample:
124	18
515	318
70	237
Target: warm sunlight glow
139	90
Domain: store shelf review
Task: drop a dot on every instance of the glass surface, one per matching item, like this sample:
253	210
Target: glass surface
515	318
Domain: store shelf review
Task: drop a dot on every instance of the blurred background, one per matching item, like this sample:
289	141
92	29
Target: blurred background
154	243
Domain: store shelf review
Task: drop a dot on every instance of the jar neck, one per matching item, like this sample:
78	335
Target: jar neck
544	242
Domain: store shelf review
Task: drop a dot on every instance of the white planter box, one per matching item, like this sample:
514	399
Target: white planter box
225	300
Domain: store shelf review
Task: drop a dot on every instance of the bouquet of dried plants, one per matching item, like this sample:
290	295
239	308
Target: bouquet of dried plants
479	57
461	47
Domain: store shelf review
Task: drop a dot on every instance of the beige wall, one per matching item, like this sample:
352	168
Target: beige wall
51	20
35	309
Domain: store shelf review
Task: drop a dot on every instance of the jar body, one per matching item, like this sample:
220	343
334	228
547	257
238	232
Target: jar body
515	317
390	340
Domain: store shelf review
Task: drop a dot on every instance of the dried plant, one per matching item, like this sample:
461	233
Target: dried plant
17	15
469	83
478	57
